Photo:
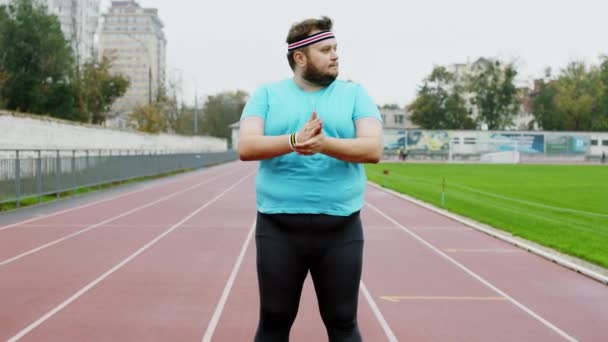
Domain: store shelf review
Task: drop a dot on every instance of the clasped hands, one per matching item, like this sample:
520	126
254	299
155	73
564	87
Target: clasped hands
310	139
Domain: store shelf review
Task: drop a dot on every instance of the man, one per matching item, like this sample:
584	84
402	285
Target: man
311	133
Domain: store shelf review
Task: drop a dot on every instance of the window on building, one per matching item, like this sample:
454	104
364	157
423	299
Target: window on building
398	119
469	141
593	142
383	118
604	142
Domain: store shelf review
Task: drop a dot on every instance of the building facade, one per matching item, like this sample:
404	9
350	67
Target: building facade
79	22
395	119
133	37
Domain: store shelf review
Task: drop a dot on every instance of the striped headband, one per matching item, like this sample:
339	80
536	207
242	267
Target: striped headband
317	37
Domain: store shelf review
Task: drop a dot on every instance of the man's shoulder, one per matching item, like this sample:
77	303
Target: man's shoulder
346	85
277	85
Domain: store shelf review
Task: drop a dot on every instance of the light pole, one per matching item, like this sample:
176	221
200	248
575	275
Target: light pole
195	113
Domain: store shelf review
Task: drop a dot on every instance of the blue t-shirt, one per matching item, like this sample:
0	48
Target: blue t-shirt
317	184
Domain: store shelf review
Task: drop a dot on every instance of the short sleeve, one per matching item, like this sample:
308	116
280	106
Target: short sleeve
257	105
365	106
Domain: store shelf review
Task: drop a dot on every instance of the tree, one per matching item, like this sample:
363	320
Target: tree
184	123
35	60
221	110
439	103
576	100
577	96
544	110
98	89
390	106
495	93
601	120
148	118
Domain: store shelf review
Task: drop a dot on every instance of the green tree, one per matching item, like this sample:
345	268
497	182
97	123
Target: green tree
544	110
36	61
495	93
577	100
98	88
577	96
439	103
391	106
184	123
148	118
221	110
600	122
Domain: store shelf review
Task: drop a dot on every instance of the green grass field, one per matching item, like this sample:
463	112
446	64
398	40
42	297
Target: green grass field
564	207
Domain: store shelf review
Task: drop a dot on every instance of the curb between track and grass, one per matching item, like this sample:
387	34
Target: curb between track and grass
554	257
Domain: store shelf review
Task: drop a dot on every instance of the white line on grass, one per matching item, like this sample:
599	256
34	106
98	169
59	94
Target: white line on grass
561	261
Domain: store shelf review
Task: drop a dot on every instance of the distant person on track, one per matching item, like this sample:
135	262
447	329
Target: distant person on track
311	133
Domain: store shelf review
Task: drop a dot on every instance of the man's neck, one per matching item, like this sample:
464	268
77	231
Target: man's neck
304	84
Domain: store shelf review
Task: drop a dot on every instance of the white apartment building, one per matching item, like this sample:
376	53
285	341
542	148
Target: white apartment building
79	20
133	36
395	119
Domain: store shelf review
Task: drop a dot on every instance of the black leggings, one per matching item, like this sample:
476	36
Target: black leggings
288	246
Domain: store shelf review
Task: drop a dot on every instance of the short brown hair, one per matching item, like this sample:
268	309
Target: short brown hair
301	30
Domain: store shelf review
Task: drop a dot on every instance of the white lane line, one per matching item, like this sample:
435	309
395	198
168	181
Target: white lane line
12	225
92	284
476	276
224	298
370	300
501	236
69	236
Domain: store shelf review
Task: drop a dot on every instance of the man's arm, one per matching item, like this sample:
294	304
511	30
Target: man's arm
254	145
365	148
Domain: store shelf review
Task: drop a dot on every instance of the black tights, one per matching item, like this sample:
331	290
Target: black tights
290	245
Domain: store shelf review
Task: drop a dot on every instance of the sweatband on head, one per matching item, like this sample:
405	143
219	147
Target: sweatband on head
317	37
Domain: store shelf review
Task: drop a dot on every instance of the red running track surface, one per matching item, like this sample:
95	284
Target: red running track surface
175	261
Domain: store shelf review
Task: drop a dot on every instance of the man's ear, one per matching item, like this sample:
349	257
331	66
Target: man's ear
300	58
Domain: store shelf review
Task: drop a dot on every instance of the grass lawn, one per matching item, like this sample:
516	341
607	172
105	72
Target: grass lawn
564	207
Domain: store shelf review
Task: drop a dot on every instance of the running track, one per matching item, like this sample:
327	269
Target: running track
174	260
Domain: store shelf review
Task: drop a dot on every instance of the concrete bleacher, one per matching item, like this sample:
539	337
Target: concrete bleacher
25	131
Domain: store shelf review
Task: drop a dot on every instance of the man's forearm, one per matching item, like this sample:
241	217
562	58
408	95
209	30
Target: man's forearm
259	147
358	150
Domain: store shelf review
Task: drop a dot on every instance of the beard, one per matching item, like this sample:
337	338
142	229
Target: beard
313	75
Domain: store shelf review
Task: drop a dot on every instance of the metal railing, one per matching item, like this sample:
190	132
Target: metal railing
37	173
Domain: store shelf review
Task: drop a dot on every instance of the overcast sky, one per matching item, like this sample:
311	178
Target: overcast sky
389	46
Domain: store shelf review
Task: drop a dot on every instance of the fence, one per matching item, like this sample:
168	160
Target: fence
496	146
36	173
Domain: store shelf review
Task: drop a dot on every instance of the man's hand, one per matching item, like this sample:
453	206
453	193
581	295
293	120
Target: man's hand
312	145
313	126
310	138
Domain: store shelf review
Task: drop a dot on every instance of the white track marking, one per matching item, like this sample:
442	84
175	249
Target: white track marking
12	225
92	284
370	300
222	302
69	236
476	276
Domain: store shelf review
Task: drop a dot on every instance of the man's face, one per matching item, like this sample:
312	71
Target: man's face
321	62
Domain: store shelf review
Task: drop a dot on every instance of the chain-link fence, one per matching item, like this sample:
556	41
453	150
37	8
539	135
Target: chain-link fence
36	173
